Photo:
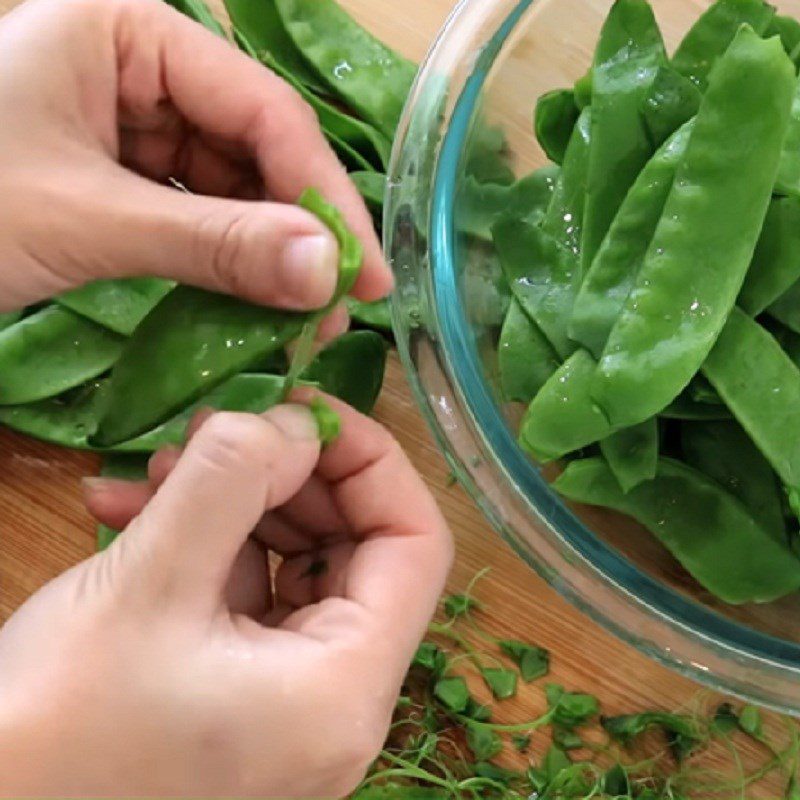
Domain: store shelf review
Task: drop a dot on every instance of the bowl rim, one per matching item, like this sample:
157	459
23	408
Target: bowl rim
743	657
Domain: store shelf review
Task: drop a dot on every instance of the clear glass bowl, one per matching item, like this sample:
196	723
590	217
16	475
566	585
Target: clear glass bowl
490	63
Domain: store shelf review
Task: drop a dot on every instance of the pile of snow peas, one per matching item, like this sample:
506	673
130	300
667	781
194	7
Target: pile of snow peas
654	330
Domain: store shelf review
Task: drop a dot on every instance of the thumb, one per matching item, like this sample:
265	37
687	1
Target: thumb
237	466
269	253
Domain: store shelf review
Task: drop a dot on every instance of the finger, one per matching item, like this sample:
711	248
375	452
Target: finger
249	589
335	324
161	464
313	510
115	502
184	543
310	577
228	95
398	571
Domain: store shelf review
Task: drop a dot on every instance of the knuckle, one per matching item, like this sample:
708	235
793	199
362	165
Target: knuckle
229	440
222	243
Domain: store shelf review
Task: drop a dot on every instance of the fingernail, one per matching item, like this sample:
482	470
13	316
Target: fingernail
308	270
295	422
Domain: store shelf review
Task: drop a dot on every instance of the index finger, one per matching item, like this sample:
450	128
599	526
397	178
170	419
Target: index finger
164	56
398	571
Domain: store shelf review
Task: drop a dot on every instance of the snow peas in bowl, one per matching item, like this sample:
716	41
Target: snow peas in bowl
627	410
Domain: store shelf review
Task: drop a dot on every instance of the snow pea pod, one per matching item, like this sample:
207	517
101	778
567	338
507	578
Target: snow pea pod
199	12
683	407
351	368
564	217
628	55
671	102
713	33
563	417
372	187
526	359
359	146
190	342
9	318
353	64
724	452
616	266
767	408
708	530
51	351
714	212
788	180
554	120
786	308
261	24
542	275
377	315
776	263
788	29
632	454
119	305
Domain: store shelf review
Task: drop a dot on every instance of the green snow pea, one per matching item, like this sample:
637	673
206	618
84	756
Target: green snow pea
760	384
714	213
70	419
351	368
542	275
582	91
564	217
119	305
526	359
261	24
786	308
359	146
711	35
671	102
190	342
356	67
724	452
684	407
553	122
194	340
707	529
377	315
51	351
632	454
788	29
563	418
8	318
126	468
480	205
788	180
616	266
628	56
200	12
776	262
372	187
486	154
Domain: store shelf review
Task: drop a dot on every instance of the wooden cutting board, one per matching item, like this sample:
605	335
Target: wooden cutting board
44	528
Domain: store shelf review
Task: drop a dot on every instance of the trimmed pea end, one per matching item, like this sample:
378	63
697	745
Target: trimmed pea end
329	424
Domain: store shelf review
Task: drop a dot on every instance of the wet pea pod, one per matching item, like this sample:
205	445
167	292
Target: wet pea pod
50	351
712	34
671	102
526	358
193	340
119	305
564	217
707	529
377	315
724	452
628	55
776	263
786	309
632	454
563	418
543	277
199	12
760	384
554	120
615	268
788	29
685	408
263	27
8	318
713	216
788	179
357	68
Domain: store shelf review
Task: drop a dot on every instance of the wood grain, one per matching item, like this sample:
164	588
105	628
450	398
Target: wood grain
44	528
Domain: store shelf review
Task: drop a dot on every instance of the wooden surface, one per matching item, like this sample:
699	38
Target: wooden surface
44	529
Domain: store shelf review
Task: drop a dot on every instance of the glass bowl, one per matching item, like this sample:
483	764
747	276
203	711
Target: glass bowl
488	66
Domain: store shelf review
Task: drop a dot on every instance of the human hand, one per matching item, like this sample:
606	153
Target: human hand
102	101
163	667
